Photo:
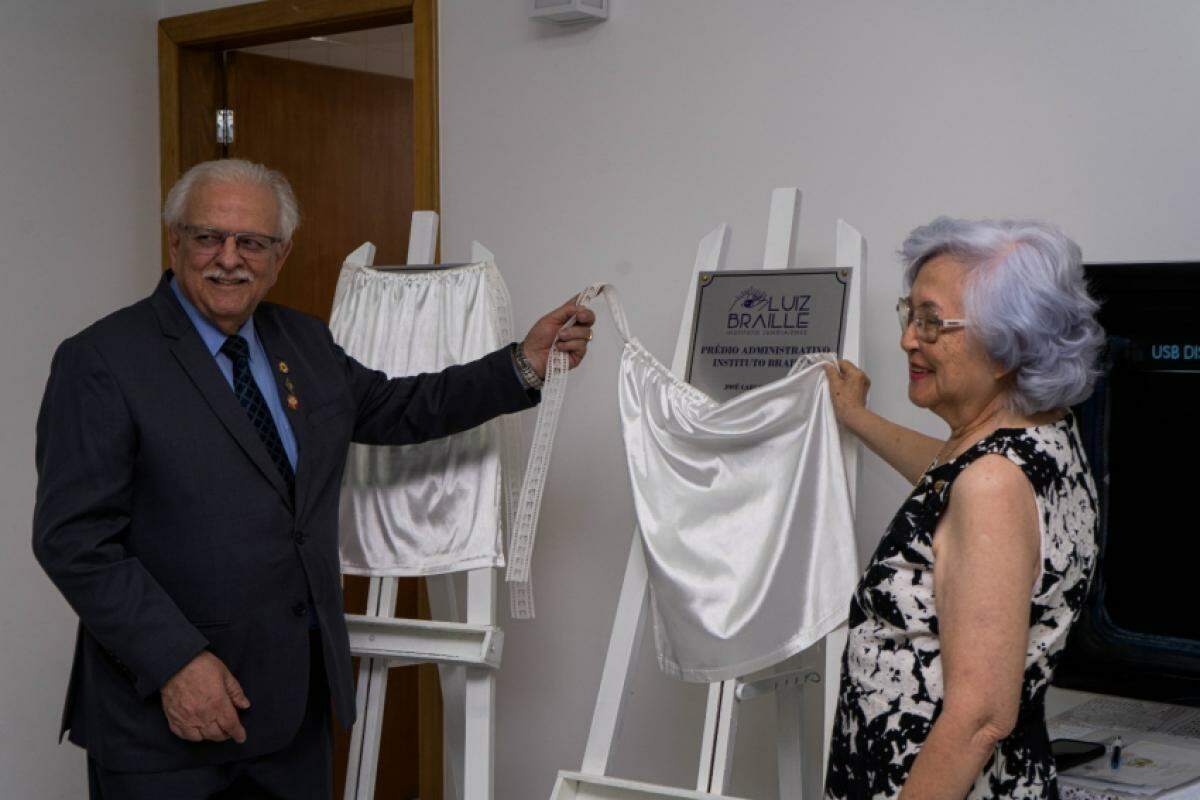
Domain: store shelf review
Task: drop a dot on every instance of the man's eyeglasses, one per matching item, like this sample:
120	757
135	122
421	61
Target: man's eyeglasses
207	241
929	326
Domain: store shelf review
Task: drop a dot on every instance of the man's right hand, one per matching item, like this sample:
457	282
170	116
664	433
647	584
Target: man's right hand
201	701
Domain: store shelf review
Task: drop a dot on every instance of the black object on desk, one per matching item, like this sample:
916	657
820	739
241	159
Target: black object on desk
1073	752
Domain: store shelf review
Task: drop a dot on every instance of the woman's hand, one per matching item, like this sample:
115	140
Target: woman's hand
848	390
906	450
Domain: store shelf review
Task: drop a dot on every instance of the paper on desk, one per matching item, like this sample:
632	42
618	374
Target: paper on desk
1147	768
1135	715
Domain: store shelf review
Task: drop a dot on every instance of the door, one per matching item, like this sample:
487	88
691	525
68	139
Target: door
344	139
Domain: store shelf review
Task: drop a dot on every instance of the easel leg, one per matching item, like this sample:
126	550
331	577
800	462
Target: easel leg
371	692
811	721
834	646
443	605
720	731
623	647
789	705
479	751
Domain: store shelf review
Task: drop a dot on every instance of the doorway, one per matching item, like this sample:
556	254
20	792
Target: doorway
342	99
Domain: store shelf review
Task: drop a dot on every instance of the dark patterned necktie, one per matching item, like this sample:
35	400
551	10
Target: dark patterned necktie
256	407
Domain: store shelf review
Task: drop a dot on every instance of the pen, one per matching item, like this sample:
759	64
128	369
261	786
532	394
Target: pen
1115	759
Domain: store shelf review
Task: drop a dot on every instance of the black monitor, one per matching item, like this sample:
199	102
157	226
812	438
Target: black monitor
1139	633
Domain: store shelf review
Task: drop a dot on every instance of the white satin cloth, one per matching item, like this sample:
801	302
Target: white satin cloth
744	512
433	507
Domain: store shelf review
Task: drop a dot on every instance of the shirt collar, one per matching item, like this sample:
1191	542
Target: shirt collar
210	334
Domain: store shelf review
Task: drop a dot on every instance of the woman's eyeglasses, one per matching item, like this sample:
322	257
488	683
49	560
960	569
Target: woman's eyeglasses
929	326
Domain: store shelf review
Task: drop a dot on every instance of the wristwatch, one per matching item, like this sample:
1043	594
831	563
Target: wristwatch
525	370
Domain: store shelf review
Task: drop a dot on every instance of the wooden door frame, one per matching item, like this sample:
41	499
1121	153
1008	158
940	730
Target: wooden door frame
182	38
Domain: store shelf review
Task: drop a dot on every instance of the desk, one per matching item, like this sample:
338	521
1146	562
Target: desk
1161	742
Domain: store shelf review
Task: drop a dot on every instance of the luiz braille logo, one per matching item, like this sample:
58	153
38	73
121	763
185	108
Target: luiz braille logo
754	309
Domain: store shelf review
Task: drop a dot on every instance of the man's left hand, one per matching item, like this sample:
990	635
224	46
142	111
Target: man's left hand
572	341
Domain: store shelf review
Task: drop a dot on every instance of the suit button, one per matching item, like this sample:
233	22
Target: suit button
300	609
300	537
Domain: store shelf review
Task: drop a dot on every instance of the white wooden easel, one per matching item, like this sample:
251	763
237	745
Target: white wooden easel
467	653
805	718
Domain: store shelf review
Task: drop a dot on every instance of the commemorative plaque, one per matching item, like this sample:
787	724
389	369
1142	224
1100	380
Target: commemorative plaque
750	325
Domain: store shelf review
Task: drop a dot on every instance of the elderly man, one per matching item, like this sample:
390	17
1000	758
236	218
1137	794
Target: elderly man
189	516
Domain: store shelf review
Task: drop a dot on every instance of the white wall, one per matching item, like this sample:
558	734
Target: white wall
604	153
78	200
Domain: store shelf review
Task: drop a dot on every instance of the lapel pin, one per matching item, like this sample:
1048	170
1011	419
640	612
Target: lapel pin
291	387
283	367
293	402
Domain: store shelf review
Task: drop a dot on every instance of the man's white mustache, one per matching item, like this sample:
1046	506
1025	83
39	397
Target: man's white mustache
235	275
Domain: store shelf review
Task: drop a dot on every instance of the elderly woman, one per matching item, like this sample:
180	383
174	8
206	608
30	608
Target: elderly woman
958	622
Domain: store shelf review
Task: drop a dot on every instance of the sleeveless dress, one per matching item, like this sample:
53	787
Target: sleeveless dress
891	687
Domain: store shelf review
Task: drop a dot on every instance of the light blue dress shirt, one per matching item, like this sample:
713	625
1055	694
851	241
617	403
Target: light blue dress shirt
260	366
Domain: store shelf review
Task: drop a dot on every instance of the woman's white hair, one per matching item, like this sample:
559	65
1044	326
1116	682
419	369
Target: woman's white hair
238	171
1026	302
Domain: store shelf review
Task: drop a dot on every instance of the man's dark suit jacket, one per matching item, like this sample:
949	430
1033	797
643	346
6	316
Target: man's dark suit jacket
169	530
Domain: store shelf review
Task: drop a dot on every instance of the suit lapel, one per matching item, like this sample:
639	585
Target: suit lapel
202	369
290	380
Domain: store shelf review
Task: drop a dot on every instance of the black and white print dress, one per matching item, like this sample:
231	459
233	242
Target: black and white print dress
891	686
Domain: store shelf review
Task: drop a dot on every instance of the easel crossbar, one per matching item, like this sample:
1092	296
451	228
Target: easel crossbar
784	680
578	786
425	641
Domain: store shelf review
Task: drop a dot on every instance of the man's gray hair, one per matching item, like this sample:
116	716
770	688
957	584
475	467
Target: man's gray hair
238	171
1026	302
